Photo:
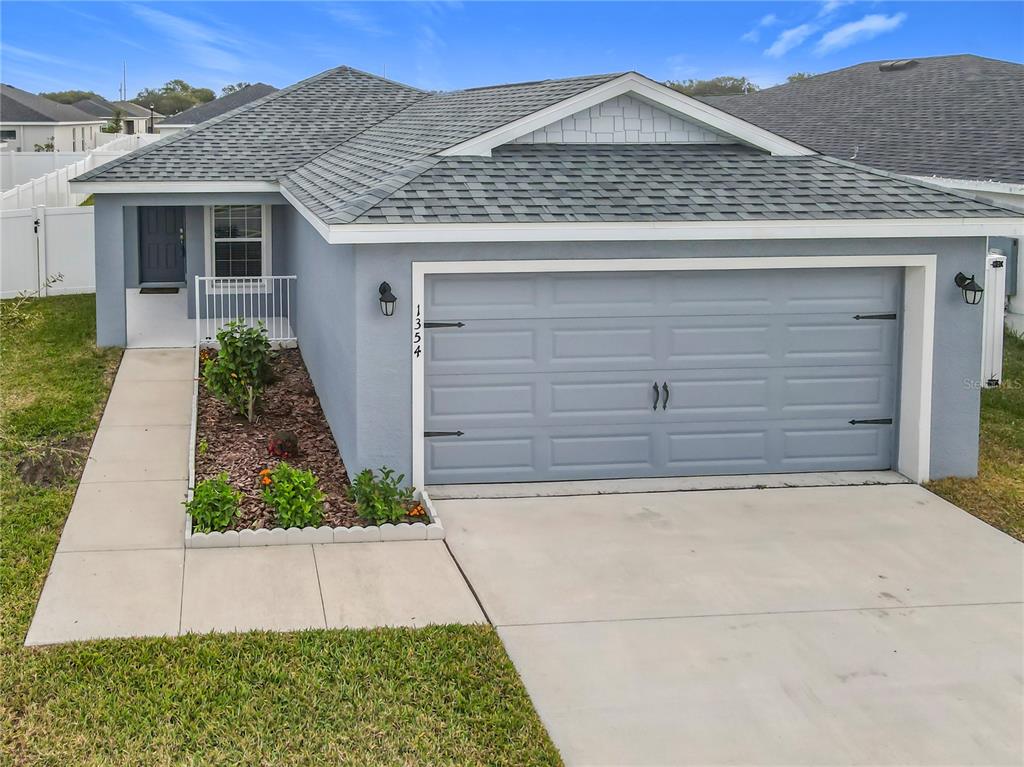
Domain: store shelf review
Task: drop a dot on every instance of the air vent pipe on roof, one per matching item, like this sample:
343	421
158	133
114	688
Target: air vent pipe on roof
896	66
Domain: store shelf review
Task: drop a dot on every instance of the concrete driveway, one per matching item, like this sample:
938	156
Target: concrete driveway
839	625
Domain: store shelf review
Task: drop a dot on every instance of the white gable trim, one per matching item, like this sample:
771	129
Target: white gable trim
646	89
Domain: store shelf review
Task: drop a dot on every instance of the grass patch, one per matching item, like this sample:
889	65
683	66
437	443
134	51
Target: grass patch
434	696
996	495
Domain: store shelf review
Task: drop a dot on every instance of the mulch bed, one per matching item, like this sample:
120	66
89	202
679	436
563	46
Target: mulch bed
235	446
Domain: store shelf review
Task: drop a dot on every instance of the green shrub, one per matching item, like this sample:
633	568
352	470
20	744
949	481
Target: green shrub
241	369
294	496
214	505
380	500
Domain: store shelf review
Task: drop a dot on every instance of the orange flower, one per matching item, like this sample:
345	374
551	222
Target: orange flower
265	472
266	480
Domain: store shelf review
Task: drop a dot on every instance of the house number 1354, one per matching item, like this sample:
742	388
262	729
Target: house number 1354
417	337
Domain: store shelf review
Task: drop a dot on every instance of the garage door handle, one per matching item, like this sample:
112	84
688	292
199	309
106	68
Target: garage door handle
655	396
664	402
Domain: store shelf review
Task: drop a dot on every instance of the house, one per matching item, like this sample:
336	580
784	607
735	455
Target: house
581	278
215	108
28	121
134	118
952	120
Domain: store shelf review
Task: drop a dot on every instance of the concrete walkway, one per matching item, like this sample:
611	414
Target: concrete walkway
121	568
833	625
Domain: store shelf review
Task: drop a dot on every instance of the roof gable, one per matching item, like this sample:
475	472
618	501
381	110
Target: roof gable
646	90
624	120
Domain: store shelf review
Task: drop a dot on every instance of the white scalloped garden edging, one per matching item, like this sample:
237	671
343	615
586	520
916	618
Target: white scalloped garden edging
280	536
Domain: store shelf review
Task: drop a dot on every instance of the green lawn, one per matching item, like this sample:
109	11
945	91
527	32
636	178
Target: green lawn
443	695
997	494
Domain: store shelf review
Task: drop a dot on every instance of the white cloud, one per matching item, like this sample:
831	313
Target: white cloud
203	45
755	34
680	67
357	19
866	28
790	39
831	6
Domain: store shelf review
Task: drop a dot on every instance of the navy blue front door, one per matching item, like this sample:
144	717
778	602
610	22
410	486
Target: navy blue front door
161	244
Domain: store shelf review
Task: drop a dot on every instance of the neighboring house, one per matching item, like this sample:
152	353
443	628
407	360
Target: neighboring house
28	120
215	108
134	118
951	120
595	277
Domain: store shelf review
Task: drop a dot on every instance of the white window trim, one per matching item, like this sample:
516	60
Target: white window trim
266	266
915	399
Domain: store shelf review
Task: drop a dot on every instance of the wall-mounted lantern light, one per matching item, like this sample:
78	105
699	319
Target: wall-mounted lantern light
972	290
387	299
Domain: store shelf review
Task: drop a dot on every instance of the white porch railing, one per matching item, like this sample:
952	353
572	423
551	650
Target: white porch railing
270	300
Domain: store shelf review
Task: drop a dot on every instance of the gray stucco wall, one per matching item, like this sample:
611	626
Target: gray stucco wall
361	366
360	360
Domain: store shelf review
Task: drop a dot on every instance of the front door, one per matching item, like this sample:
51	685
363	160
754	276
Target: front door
161	244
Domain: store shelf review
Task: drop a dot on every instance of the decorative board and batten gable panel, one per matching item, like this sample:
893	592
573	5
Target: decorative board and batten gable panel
623	120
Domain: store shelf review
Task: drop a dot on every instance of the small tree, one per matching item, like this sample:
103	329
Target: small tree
798	76
115	123
239	372
716	86
46	146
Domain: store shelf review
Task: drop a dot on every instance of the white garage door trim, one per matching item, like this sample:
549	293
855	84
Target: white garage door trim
917	340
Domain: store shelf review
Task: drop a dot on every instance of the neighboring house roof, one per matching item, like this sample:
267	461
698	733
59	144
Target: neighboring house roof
202	112
350	147
656	182
132	109
96	106
956	117
18	106
100	107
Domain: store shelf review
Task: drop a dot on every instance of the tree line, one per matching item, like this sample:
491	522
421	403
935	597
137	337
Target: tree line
172	97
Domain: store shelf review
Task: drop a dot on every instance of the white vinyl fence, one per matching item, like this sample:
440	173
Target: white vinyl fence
52	188
36	243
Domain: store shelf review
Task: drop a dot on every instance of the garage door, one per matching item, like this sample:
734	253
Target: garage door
554	376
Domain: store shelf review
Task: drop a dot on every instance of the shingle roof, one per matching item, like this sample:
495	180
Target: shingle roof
217	107
349	178
950	116
100	107
656	182
18	106
266	138
134	110
354	148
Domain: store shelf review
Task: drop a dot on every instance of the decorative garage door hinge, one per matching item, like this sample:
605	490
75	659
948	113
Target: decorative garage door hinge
444	324
874	316
443	433
855	421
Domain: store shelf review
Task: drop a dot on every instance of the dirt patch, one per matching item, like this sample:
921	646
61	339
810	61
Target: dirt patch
240	448
51	465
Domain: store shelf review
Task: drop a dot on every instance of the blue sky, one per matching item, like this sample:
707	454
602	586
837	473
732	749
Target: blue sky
442	45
